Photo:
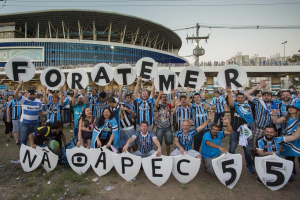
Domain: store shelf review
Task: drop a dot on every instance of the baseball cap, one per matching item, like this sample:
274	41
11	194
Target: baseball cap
31	91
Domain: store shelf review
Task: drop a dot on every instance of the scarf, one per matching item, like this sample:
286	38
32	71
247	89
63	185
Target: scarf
244	110
114	128
267	108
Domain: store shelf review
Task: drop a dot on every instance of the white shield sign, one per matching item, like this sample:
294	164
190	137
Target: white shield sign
157	169
29	158
49	159
185	167
228	168
127	165
78	159
166	80
273	171
101	160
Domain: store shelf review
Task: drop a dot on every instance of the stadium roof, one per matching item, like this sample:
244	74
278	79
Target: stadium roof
159	36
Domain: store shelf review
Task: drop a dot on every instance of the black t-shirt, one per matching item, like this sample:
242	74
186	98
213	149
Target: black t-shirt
236	119
44	134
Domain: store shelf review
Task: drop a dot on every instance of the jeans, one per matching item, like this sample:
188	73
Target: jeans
143	155
67	116
234	140
25	129
292	158
168	135
217	117
198	139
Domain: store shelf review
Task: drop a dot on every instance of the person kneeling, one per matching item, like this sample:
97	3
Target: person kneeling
48	136
144	139
270	145
183	139
211	144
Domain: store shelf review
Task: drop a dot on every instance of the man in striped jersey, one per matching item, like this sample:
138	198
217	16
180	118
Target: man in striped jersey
163	119
263	113
237	120
184	139
144	105
283	107
14	111
94	101
102	101
124	119
31	110
55	106
220	104
183	112
144	140
200	115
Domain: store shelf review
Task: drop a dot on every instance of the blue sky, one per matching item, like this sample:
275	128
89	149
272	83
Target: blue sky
223	43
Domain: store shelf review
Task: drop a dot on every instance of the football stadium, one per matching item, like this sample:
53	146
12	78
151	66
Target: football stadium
81	38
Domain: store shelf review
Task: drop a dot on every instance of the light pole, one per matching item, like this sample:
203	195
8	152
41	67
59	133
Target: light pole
284	50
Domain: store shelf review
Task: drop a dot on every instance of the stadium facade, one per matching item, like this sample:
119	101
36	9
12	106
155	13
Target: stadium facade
77	37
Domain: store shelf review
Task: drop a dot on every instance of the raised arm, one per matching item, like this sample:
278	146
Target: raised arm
177	104
111	89
74	97
173	98
137	87
85	97
293	137
188	91
275	119
202	126
230	99
262	84
152	88
17	91
79	142
62	97
120	93
229	127
158	98
46	101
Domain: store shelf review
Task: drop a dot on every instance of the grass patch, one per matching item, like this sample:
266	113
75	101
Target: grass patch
73	177
83	191
47	175
31	183
113	173
183	186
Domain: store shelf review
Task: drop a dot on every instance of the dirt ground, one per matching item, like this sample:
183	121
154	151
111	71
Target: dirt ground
66	184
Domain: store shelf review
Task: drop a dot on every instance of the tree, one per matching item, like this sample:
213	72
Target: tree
295	58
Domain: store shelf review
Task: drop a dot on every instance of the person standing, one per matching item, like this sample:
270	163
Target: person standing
183	112
14	111
163	119
82	102
219	102
200	115
7	122
240	112
263	113
31	111
144	105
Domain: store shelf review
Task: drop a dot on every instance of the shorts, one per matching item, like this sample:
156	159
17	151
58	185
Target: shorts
168	135
16	124
52	145
125	135
190	152
86	136
257	132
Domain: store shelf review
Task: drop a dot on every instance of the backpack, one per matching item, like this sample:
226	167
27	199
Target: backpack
63	161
